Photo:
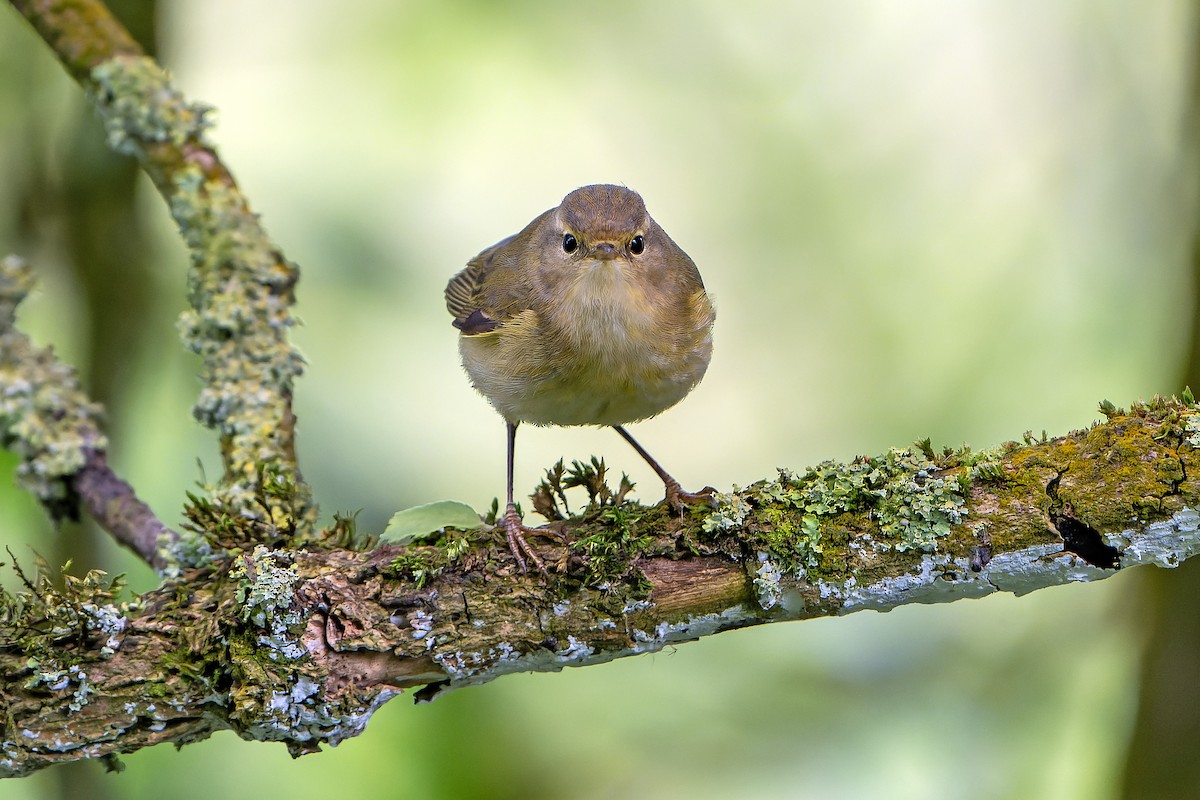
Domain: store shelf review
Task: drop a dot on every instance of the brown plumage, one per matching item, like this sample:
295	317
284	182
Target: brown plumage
591	315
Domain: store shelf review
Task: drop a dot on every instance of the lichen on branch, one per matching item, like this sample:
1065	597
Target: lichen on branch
303	644
240	288
45	417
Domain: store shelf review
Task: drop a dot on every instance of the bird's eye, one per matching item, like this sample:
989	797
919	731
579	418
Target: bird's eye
637	244
569	243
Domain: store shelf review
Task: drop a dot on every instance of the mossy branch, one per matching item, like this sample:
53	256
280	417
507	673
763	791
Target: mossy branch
303	645
301	641
240	284
47	419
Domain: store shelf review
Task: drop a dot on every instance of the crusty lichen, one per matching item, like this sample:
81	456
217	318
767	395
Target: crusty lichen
44	415
279	693
240	289
903	491
59	629
138	104
267	590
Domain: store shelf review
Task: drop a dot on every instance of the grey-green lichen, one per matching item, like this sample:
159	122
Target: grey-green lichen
731	513
44	415
59	627
137	104
939	578
267	591
1191	425
302	717
766	582
240	288
188	550
903	491
54	677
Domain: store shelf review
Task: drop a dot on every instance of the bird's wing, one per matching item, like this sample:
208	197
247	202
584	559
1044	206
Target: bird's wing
464	293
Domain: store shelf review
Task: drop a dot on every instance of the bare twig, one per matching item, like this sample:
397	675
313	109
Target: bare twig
113	504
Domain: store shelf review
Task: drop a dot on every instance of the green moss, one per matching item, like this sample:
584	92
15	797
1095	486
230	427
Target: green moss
985	466
610	548
423	562
59	629
418	565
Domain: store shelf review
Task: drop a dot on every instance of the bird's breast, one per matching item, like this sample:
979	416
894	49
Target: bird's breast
610	322
606	352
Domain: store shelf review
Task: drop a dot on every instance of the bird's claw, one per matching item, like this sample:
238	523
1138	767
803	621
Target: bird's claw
678	500
514	531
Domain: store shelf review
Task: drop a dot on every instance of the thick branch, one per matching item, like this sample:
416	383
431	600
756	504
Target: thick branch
303	645
241	286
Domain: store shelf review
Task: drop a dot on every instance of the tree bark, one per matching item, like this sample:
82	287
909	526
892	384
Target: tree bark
303	644
281	633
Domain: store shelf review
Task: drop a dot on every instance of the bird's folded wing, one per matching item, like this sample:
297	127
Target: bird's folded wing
465	293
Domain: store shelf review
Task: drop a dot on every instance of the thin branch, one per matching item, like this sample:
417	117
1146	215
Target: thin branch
240	285
47	418
303	645
113	504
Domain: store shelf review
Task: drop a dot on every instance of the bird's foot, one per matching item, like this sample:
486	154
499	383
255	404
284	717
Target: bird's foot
514	531
678	500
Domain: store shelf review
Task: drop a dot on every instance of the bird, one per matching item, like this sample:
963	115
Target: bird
590	315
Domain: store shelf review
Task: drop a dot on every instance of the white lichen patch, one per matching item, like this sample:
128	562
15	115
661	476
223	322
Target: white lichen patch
1192	425
300	714
106	620
939	579
467	669
1166	544
766	582
929	582
53	676
267	591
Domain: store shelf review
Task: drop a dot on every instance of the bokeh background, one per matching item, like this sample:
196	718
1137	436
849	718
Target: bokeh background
960	220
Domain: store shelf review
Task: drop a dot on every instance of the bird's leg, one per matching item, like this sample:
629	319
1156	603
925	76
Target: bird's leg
514	529
677	498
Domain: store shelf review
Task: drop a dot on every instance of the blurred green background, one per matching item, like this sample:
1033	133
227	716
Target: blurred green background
960	220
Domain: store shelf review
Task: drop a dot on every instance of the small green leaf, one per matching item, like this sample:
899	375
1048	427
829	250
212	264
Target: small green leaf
419	522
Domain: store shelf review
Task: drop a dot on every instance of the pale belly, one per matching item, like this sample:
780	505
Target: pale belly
624	384
604	356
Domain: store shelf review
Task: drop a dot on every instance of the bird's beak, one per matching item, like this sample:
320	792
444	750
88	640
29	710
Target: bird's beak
606	251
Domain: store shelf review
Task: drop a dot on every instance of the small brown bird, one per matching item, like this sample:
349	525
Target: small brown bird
591	315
